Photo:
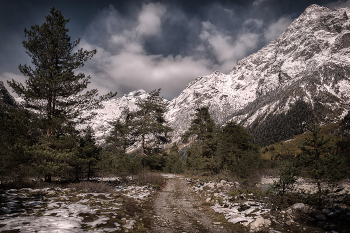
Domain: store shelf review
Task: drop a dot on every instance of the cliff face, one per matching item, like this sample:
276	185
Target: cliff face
303	75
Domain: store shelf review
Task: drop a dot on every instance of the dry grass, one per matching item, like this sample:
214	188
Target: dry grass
132	207
155	179
97	187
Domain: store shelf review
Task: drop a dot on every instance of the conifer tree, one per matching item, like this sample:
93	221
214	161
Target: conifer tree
149	125
203	128
52	87
203	131
120	137
89	154
55	93
237	152
320	160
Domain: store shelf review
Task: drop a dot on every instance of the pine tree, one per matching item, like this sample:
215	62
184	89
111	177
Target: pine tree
320	160
52	87
120	137
55	93
89	154
237	152
149	125
203	131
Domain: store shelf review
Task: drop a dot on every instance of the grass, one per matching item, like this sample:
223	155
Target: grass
290	147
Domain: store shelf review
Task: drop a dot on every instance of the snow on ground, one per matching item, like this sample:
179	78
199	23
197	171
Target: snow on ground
236	209
65	210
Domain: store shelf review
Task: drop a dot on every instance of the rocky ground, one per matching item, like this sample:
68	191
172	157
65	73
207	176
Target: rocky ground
182	205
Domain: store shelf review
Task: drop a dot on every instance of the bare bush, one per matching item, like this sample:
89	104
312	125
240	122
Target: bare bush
152	178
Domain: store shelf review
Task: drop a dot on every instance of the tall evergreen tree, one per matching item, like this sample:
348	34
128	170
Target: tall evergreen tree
55	93
52	87
120	137
237	152
149	125
318	155
203	132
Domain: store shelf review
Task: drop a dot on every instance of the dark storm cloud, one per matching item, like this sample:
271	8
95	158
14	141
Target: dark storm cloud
152	44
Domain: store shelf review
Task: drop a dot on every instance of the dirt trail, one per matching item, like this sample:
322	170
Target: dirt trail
177	209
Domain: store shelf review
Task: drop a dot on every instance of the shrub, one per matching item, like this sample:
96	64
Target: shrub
155	179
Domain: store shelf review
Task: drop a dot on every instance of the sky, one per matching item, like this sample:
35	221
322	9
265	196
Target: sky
152	44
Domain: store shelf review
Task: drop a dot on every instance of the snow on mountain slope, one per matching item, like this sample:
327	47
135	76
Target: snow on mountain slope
309	62
112	110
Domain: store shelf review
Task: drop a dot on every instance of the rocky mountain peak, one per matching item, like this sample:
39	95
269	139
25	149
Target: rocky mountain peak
308	63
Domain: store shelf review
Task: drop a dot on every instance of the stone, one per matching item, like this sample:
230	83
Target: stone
289	211
211	185
258	223
216	194
321	217
298	206
325	211
208	199
216	223
301	206
289	222
129	224
223	182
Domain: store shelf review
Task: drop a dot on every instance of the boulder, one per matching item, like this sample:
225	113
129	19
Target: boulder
301	206
259	223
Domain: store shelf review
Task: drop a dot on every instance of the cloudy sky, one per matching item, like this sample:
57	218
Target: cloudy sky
152	44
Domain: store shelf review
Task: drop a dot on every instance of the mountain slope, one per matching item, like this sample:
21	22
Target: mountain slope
112	110
306	69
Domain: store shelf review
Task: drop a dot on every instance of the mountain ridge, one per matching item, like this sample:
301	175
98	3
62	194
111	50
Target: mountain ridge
308	62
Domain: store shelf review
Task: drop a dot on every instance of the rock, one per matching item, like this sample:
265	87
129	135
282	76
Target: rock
211	185
289	211
289	222
223	182
216	194
208	199
258	223
325	211
301	207
321	217
216	223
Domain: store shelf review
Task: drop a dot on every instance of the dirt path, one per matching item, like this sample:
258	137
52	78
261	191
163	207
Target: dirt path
177	209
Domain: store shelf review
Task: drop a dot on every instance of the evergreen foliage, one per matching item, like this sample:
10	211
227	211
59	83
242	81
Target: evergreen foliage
52	87
318	157
149	126
54	95
89	153
174	164
17	130
237	152
278	127
120	137
203	130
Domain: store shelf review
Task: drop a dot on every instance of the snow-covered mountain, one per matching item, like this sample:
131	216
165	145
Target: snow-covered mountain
112	110
302	76
308	63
